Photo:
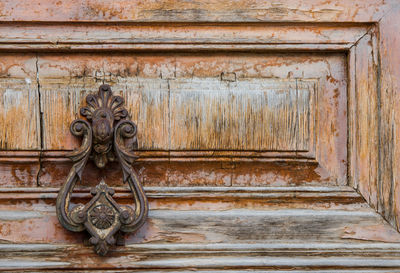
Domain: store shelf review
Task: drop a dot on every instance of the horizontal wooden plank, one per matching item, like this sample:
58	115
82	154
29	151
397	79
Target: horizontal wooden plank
167	69
155	103
176	239
196	11
221	264
49	156
132	48
51	169
225	262
216	226
123	34
213	198
334	248
193	190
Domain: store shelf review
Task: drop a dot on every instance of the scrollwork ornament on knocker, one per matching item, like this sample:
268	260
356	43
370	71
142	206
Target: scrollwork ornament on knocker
107	135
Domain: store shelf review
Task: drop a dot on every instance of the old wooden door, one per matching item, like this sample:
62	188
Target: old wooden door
268	132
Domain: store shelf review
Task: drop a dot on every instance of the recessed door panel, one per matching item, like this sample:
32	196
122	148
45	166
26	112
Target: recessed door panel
209	119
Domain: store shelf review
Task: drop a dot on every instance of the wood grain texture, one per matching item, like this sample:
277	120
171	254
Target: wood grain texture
251	225
388	188
352	155
19	103
221	107
177	36
235	258
242	114
180	215
366	122
208	223
200	198
150	75
65	82
196	11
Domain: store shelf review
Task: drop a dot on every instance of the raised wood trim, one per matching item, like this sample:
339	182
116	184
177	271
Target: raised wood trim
178	198
165	156
379	257
179	37
161	192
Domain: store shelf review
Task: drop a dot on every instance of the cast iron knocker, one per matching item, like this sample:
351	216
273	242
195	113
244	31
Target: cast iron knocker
108	135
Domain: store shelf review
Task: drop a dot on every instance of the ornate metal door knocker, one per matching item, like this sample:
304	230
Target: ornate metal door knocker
105	136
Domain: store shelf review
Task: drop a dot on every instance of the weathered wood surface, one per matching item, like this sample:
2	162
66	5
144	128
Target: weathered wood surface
209	228
19	168
175	37
388	188
179	33
197	113
363	257
235	110
365	118
373	118
240	114
180	215
19	103
151	86
196	11
221	227
19	120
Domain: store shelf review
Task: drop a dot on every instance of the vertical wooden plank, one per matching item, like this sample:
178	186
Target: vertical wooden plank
389	76
19	121
19	103
332	121
367	119
352	156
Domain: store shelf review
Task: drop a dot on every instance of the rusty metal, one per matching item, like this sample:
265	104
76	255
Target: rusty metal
108	135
